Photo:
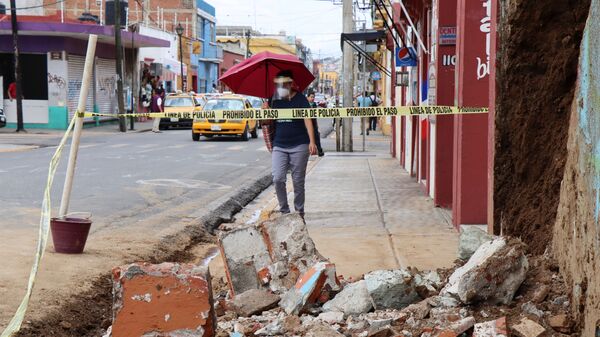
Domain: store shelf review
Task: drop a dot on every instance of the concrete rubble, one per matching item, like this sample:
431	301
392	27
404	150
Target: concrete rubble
279	285
493	274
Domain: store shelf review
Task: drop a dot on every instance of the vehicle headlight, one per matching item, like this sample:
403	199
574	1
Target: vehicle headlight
237	121
200	120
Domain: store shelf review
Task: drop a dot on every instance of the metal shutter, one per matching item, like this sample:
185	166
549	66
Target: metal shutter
75	74
106	86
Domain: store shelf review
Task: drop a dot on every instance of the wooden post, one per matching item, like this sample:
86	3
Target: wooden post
83	93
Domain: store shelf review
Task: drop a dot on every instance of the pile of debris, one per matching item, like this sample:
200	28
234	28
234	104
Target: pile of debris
476	298
279	285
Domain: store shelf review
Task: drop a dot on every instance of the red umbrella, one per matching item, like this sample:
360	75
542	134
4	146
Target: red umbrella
254	76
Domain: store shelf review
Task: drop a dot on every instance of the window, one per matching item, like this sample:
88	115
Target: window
213	36
199	27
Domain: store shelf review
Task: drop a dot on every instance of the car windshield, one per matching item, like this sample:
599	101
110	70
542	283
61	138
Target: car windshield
199	101
178	101
256	102
224	104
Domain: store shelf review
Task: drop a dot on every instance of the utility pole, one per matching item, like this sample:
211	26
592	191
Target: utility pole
119	65
248	33
364	89
15	35
348	80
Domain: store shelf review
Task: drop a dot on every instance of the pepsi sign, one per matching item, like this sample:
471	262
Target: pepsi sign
406	57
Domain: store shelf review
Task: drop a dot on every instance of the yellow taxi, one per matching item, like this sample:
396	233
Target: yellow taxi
233	127
180	103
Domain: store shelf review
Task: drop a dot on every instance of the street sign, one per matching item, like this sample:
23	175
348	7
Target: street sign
375	76
406	57
447	36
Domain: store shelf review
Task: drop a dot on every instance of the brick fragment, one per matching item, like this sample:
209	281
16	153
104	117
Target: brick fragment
495	328
167	300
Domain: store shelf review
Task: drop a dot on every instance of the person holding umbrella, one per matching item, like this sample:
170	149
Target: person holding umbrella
293	142
281	79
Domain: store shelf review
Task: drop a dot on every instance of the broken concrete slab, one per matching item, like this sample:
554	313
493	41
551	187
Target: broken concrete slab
471	238
289	244
461	325
253	302
271	255
527	328
391	289
428	283
147	300
244	253
495	328
493	274
354	299
331	317
308	289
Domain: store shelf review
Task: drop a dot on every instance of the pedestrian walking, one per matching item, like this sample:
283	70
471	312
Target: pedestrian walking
311	101
375	101
156	105
293	141
364	101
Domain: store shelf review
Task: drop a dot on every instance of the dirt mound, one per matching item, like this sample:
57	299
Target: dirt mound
538	57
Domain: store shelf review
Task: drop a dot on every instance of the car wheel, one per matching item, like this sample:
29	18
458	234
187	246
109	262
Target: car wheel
245	134
254	132
195	137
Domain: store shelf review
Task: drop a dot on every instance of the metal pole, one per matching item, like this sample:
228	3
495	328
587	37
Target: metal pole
83	93
18	79
181	62
119	65
348	62
364	71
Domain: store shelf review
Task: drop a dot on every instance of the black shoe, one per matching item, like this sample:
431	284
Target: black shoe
321	153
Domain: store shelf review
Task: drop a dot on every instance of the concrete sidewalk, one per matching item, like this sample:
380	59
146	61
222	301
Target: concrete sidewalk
365	213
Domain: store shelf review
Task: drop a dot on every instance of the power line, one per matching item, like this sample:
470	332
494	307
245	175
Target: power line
38	6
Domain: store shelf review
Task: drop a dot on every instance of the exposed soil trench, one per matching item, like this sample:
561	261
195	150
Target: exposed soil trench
89	313
539	52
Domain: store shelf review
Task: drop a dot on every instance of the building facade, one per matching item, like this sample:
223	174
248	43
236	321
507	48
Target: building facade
52	58
206	53
447	155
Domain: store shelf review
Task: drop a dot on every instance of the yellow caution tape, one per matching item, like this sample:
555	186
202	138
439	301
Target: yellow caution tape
259	114
15	324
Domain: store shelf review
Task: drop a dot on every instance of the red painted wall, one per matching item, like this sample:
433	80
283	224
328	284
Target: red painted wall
471	131
445	96
229	60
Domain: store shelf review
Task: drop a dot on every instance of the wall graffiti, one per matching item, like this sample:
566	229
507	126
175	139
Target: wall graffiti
73	89
108	85
57	80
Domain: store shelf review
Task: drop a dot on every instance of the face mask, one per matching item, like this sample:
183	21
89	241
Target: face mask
283	92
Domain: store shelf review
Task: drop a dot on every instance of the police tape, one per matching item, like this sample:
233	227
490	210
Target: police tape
261	114
15	323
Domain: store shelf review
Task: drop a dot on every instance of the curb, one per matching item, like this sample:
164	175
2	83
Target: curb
221	210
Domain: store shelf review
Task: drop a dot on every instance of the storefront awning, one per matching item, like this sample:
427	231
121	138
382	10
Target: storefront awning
106	34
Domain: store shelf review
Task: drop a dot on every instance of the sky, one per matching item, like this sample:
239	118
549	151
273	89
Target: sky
317	22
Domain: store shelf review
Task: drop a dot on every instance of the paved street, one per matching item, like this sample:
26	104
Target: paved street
139	187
